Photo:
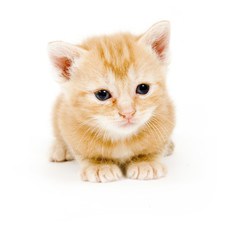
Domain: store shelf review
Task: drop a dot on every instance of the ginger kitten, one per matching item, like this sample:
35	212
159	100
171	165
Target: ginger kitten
114	114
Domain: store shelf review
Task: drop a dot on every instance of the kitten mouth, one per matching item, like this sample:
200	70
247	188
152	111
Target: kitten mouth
126	124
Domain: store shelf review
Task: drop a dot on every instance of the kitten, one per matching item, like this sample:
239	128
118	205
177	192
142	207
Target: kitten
114	114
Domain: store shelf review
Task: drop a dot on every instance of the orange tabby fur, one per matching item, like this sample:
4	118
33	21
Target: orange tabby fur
119	63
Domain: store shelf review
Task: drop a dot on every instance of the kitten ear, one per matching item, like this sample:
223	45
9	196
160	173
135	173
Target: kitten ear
64	57
158	38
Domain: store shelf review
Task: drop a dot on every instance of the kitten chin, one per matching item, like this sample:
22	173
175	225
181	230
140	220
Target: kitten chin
114	115
120	129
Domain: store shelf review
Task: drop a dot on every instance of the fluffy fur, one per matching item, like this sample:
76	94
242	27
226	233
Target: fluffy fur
93	131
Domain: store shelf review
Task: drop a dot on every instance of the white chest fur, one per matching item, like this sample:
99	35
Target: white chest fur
122	152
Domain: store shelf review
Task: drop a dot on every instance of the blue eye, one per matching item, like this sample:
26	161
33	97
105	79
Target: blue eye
142	88
102	95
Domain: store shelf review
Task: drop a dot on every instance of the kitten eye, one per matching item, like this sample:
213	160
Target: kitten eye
102	95
142	88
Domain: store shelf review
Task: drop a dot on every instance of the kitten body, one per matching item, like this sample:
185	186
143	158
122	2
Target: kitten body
128	132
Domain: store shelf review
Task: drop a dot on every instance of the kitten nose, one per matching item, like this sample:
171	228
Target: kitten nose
127	116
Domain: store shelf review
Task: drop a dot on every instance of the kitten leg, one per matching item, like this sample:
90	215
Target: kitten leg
60	153
145	168
169	148
100	172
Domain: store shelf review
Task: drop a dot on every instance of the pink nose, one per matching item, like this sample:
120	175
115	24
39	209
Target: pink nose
127	116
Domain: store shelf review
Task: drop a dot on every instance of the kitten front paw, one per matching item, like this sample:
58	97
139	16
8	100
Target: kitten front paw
59	153
101	173
145	170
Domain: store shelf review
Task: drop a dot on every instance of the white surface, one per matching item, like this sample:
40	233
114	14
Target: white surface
207	192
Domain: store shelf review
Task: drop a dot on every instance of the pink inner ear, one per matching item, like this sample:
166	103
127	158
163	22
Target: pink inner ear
64	65
160	45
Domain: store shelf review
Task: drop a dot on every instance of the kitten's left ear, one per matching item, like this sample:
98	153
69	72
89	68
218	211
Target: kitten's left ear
158	38
64	57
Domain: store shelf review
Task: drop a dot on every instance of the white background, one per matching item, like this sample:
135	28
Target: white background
207	192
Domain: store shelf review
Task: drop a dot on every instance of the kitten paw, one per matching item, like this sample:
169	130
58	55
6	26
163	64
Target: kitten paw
146	170
169	149
59	153
101	173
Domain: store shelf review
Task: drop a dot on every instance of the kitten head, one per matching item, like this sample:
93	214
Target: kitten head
115	83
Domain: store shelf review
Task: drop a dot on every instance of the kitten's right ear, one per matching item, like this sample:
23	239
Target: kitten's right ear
158	38
64	57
